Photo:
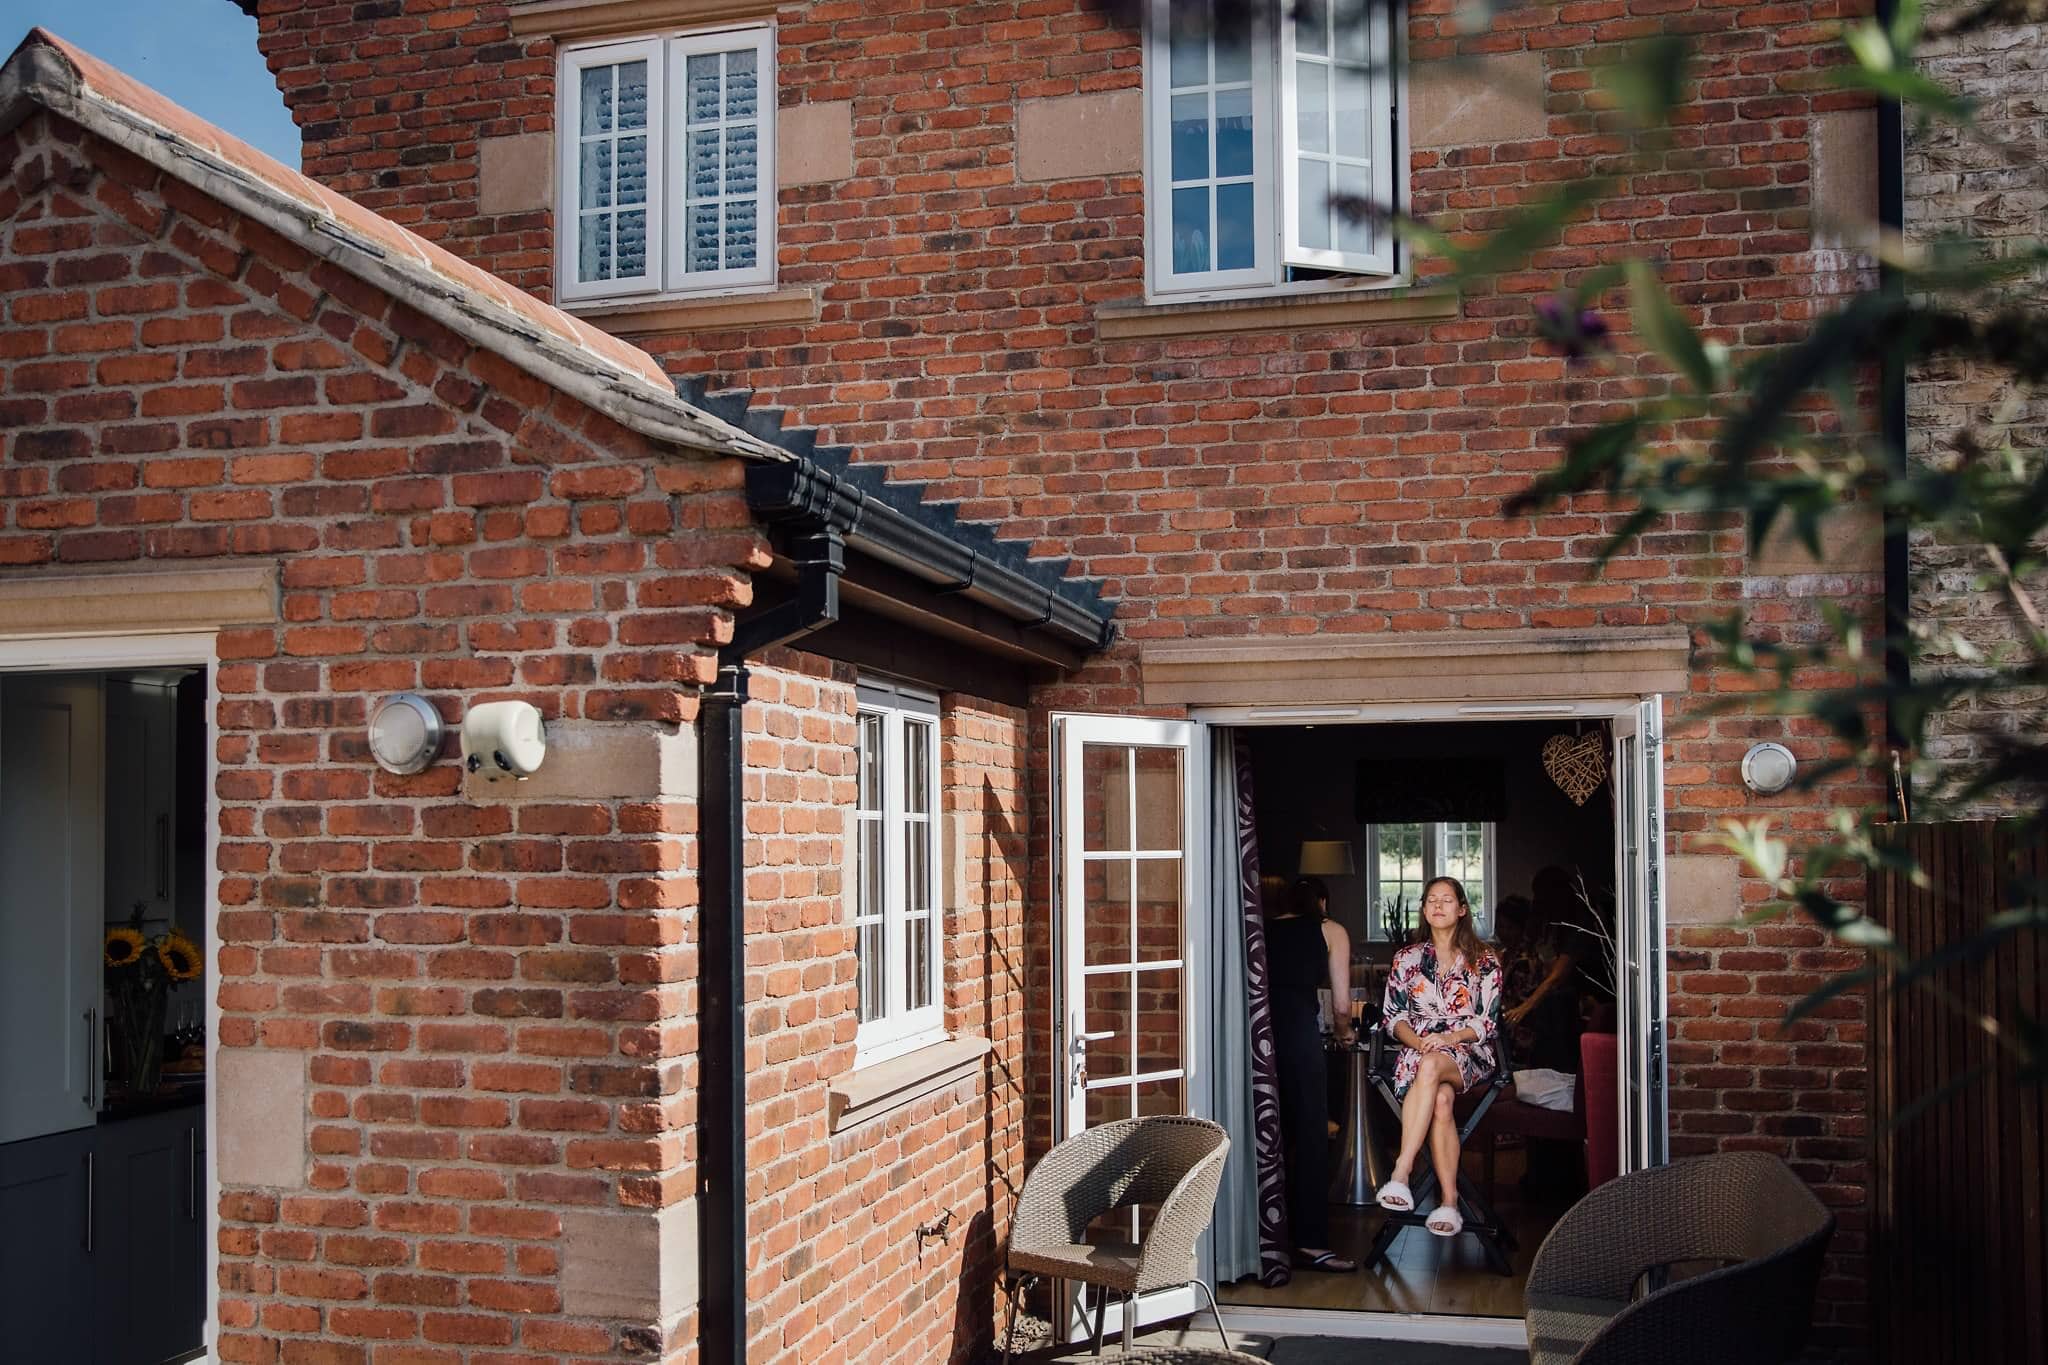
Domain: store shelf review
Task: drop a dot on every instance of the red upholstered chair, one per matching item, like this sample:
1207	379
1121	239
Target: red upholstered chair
1512	1117
1599	1082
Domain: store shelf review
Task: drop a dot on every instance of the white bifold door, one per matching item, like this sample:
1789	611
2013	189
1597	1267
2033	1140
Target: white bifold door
1639	931
1127	817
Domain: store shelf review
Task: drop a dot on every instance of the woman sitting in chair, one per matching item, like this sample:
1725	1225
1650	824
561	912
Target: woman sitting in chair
1443	1007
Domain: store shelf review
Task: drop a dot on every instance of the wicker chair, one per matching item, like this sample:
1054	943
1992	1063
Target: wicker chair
1169	1161
1744	1210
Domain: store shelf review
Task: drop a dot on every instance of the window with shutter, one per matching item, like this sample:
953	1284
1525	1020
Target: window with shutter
667	157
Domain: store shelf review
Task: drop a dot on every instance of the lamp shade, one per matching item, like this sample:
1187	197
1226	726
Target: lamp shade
1326	858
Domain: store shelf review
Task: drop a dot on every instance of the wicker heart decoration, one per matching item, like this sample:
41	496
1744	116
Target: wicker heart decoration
1576	763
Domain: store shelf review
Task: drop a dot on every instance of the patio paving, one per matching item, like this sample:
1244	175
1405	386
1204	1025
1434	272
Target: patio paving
1296	1350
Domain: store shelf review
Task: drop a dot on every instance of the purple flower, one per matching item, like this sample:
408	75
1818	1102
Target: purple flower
1577	331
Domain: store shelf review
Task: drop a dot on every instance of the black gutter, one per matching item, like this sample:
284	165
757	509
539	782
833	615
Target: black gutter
722	948
1891	219
826	516
799	494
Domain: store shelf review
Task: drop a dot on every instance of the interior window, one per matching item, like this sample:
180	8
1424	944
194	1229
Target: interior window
895	870
1405	857
1266	123
667	147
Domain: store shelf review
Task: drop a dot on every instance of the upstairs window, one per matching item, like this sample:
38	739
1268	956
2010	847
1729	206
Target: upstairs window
1258	121
895	866
667	175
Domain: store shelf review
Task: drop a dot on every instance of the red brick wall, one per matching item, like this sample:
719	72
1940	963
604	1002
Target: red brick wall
838	1272
391	96
1343	478
489	994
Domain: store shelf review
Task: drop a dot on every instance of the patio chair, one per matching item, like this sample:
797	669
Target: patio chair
1481	1220
1170	1161
1744	1211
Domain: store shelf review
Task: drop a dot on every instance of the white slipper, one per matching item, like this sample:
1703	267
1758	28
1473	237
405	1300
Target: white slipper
1396	1196
1446	1221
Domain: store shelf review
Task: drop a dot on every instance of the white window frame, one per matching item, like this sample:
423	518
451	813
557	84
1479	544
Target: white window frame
899	1028
667	55
1433	866
1275	174
1159	95
1380	109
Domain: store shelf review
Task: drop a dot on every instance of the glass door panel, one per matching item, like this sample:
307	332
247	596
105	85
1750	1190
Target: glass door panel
1639	928
1125	821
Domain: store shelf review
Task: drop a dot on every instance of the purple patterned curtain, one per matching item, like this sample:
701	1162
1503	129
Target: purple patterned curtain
1276	1266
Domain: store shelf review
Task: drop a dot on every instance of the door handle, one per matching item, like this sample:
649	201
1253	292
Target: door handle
91	1052
191	1174
163	857
88	1201
1077	1051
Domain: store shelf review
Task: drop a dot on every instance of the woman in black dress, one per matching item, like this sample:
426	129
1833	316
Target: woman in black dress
1306	951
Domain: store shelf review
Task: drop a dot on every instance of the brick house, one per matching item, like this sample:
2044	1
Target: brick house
977	411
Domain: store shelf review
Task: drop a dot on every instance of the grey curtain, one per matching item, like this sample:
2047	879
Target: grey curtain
1251	1209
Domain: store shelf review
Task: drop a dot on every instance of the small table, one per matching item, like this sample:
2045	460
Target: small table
1358	1166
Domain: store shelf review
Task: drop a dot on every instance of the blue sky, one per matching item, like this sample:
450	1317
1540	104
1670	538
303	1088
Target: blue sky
201	53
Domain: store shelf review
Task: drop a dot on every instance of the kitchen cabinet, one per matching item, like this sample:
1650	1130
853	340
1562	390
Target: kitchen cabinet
141	796
102	1232
46	1261
148	1233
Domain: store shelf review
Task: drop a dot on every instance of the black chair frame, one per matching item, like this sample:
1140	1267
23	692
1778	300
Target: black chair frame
1480	1218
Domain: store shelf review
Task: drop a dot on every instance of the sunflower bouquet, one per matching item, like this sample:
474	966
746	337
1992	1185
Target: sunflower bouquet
140	969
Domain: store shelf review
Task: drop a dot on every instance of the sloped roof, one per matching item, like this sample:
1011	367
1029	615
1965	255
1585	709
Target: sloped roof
619	380
615	378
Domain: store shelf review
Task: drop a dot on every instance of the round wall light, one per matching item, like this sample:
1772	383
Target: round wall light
405	733
1768	768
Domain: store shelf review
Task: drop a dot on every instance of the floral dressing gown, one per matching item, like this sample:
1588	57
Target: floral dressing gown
1437	999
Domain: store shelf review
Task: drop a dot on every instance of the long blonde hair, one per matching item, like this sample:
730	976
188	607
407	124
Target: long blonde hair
1465	940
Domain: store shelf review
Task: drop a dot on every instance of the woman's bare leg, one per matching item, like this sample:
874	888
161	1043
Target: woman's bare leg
1417	1113
1443	1140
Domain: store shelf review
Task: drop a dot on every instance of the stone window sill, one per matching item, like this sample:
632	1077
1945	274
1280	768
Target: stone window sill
1332	308
647	316
605	18
868	1092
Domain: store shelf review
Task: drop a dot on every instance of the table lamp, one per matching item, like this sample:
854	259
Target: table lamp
1327	858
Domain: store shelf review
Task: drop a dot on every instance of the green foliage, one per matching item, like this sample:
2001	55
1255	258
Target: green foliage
1791	439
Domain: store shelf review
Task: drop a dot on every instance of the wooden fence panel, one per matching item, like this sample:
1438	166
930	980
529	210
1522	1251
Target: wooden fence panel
1958	1240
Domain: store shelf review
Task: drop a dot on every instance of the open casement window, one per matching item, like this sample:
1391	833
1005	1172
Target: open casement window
1336	134
1403	858
895	864
667	176
1259	120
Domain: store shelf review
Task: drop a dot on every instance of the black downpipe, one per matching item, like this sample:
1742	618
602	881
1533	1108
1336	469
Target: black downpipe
1898	568
722	949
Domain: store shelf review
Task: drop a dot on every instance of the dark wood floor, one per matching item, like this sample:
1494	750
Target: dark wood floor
1427	1274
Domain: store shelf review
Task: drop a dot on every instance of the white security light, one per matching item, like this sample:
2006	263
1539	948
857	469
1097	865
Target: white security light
1768	768
503	739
